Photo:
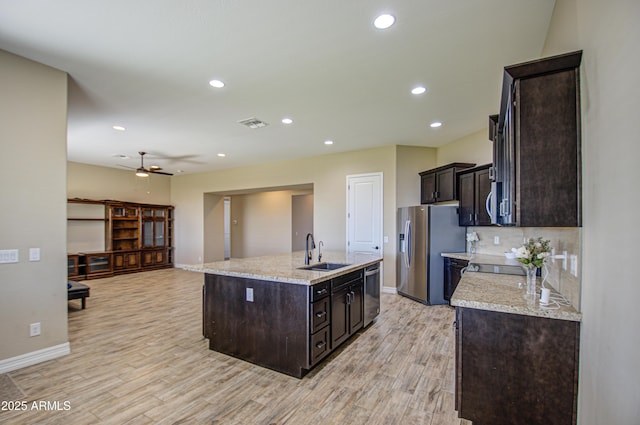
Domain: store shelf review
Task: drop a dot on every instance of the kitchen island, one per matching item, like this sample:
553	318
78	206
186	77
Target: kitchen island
516	360
272	312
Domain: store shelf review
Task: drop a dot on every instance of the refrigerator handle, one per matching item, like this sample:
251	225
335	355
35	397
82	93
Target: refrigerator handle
408	254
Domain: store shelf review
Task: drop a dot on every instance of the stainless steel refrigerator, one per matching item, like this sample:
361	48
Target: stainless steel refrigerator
424	232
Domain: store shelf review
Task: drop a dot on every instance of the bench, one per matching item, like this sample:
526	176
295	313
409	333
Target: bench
77	290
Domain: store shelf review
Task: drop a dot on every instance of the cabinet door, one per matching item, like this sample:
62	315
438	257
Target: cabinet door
534	357
356	308
339	316
466	196
482	190
445	185
428	188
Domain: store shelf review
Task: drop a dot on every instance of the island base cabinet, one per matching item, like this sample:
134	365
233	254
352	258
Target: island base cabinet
515	369
258	321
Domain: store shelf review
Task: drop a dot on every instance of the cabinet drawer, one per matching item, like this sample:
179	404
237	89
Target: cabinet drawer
319	344
319	290
319	314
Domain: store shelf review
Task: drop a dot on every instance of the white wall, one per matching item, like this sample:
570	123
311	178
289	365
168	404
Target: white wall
608	33
33	160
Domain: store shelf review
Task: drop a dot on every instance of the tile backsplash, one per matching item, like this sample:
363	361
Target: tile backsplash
562	239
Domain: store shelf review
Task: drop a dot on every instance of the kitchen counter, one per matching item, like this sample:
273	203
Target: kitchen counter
500	292
286	267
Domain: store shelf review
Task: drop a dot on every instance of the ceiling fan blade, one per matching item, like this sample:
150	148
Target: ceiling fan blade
159	172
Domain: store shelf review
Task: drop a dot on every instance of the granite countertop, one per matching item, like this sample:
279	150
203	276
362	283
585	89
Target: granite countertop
285	267
500	292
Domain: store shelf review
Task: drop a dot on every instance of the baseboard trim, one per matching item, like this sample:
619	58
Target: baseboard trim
388	290
34	357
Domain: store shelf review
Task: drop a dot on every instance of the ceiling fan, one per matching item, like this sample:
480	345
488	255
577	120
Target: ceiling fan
144	172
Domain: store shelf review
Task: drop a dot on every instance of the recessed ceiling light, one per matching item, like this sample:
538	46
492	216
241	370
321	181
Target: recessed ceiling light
328	142
222	155
418	90
179	171
436	124
216	83
384	21
120	156
287	120
118	127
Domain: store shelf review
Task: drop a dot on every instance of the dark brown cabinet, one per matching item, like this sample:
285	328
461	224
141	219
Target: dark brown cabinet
474	191
453	268
537	145
347	310
512	368
320	311
439	184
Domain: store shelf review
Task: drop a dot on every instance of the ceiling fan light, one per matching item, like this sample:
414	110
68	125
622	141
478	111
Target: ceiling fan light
141	173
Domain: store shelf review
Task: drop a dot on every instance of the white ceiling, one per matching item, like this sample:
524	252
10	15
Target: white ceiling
146	65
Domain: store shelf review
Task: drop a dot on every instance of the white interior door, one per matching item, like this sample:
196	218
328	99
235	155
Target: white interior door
364	213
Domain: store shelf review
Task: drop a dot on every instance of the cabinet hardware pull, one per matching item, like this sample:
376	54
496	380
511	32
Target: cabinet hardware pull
321	313
320	344
321	291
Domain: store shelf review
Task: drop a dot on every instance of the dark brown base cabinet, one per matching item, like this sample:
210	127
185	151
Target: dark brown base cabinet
515	369
452	274
282	326
347	312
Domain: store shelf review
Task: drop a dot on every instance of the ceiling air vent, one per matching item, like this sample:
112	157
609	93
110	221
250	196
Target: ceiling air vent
253	123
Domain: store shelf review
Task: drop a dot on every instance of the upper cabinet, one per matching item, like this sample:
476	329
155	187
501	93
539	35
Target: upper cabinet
537	144
474	194
439	184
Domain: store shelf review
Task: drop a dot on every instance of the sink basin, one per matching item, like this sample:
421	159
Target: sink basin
324	266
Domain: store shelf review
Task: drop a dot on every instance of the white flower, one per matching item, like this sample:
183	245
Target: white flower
472	237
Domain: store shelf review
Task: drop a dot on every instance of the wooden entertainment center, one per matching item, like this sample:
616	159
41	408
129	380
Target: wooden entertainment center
137	237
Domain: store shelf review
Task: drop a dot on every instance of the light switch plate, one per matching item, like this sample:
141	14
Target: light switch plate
8	256
34	254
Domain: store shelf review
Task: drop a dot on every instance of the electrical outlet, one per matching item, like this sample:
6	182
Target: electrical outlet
496	240
574	265
34	329
250	295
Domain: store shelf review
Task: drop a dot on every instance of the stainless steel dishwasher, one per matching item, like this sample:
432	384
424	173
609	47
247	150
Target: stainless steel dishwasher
371	293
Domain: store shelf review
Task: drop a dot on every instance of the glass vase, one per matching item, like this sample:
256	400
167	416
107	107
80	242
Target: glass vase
531	280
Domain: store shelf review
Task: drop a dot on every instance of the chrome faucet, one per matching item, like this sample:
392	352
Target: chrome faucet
308	253
320	245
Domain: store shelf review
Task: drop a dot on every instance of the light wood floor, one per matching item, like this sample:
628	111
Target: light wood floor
138	356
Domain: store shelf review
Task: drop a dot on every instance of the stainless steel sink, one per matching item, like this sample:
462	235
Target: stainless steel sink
325	267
